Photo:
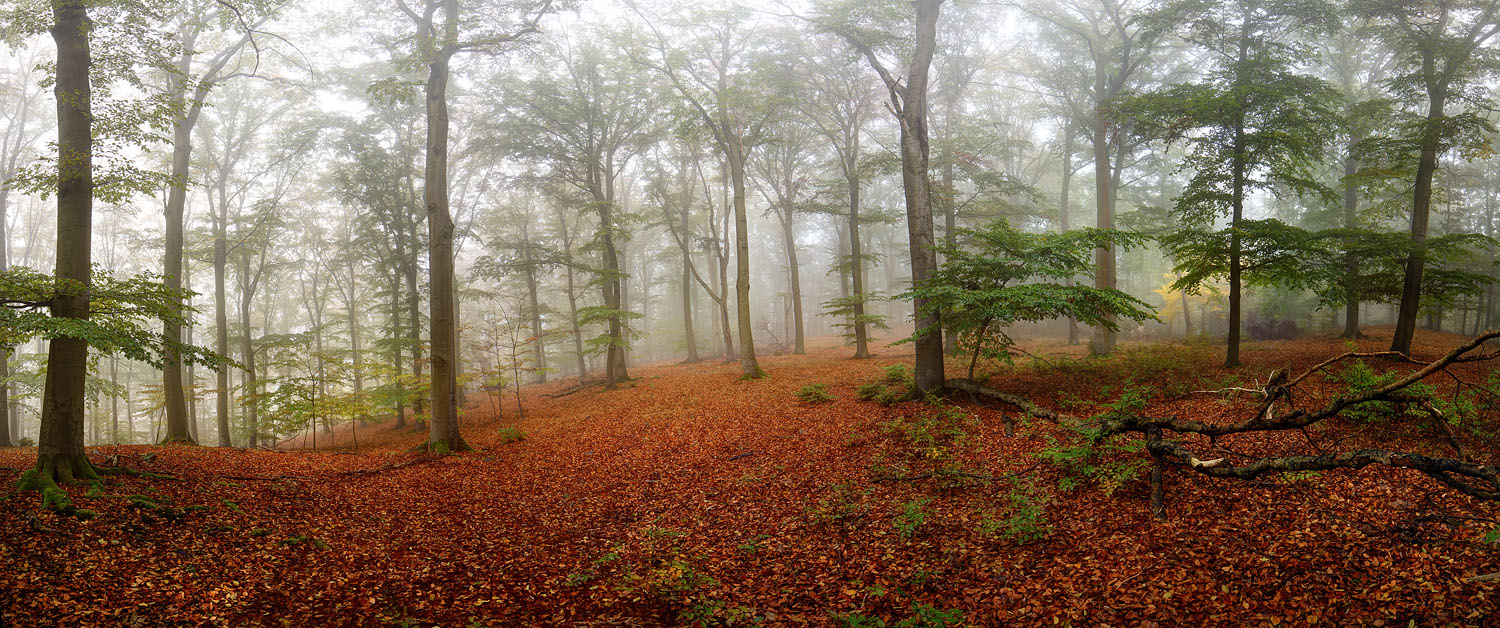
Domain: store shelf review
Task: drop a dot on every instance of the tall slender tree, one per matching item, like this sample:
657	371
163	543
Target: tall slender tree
486	26
908	103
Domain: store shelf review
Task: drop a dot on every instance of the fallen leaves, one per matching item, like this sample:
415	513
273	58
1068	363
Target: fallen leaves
641	507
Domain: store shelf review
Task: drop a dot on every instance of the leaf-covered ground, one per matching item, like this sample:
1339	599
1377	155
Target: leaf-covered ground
693	496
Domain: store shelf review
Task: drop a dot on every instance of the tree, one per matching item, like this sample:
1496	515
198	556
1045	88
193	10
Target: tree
782	166
1442	61
84	308
842	102
1120	42
186	78
725	102
487	28
908	103
585	123
1253	122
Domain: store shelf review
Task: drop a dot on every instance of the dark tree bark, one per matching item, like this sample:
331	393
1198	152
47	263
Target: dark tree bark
60	455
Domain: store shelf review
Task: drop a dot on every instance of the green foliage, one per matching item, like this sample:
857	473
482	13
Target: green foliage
510	434
841	310
1358	377
1086	457
1026	518
841	505
997	276
896	381
923	616
933	434
814	393
913	514
125	316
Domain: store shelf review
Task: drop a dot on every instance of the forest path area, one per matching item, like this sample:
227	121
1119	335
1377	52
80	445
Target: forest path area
691	496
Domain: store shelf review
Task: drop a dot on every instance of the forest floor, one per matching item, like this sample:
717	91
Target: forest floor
690	496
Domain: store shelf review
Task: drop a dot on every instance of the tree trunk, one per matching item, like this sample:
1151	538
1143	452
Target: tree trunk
1104	198
397	365
1064	207
1351	262
443	424
1421	204
221	318
173	400
538	348
799	346
749	367
917	186
60	455
689	338
247	352
857	260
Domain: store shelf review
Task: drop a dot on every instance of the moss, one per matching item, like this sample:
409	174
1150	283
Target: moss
96	490
85	514
258	532
55	498
31	480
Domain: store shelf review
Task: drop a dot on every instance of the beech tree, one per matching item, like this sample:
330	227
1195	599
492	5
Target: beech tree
189	84
584	124
1254	122
711	76
462	27
1442	64
908	103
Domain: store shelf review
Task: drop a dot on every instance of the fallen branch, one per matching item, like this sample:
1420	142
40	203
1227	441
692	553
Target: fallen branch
972	387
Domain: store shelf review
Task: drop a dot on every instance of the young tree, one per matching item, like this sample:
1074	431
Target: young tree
997	276
1254	122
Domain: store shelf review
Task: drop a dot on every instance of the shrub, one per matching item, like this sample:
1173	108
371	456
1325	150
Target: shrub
510	434
1086	457
1027	520
814	393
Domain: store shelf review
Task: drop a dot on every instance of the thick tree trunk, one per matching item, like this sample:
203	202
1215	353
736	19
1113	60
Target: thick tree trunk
917	186
6	438
174	402
443	425
60	455
1232	353
749	366
1421	205
611	286
1351	262
221	320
